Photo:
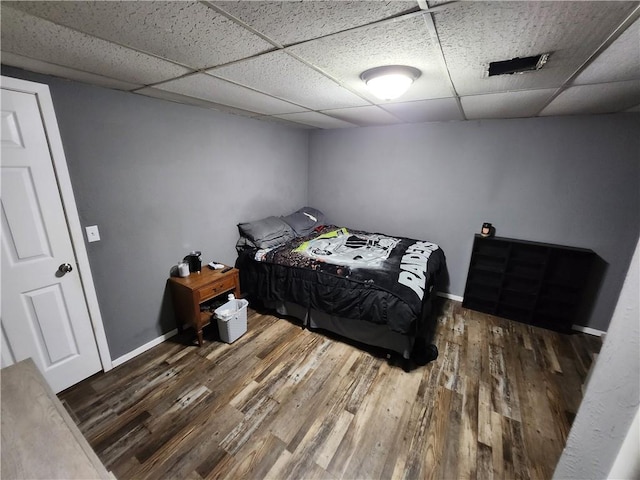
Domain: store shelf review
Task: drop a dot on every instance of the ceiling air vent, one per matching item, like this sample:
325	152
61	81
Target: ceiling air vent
518	65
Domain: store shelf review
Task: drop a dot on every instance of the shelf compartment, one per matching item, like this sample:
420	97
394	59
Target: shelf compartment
570	269
521	284
491	248
479	304
485	278
518	299
514	313
561	297
551	323
556	308
525	270
483	292
488	265
529	254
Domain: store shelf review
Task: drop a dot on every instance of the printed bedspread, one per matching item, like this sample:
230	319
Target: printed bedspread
347	273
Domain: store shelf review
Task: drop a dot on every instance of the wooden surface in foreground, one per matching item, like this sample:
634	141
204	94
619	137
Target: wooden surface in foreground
282	402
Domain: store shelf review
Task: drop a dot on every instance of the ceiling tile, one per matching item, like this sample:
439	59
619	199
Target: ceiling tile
597	98
401	42
621	61
189	33
316	119
436	110
283	76
434	3
476	33
39	39
184	99
292	22
526	103
363	116
219	91
39	66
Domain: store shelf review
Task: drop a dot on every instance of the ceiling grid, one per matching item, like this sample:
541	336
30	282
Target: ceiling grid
300	62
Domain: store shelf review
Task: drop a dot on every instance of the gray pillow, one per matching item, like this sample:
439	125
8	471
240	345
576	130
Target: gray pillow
266	233
305	220
244	243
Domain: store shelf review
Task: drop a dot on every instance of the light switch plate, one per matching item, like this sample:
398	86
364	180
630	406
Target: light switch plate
93	235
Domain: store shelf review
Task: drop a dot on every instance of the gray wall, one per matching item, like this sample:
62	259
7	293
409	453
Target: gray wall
612	396
565	180
161	179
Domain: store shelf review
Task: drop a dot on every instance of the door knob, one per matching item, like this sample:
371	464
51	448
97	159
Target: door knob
65	268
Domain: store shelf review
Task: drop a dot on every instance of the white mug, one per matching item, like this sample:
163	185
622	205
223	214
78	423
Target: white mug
183	269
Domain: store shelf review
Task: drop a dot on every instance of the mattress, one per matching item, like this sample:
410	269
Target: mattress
346	273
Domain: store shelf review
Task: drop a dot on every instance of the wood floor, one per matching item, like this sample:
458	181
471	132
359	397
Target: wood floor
282	402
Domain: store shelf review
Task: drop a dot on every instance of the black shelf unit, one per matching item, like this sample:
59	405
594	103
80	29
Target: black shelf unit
536	283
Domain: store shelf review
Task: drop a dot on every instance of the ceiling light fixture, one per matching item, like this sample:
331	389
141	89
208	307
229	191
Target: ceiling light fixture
390	81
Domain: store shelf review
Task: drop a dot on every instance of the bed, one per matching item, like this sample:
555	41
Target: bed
367	287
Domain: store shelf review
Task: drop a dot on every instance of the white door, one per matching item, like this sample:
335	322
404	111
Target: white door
44	312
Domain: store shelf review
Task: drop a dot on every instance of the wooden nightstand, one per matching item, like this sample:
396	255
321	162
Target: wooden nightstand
189	292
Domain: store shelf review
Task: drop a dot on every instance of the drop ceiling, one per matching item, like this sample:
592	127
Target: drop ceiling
299	62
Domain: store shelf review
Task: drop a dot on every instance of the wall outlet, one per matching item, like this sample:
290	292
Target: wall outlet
93	235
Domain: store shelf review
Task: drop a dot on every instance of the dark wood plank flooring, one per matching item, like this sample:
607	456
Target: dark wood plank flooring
283	402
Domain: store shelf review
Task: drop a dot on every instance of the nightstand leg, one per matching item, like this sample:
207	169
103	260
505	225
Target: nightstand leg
200	337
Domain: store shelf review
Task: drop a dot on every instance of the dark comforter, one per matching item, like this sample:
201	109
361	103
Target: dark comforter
347	273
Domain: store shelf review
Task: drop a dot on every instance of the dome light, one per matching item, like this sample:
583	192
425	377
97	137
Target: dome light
391	81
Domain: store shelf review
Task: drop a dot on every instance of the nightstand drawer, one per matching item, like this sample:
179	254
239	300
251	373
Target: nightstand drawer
213	289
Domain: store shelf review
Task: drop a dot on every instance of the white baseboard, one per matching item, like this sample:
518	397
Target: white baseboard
588	330
450	296
143	348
